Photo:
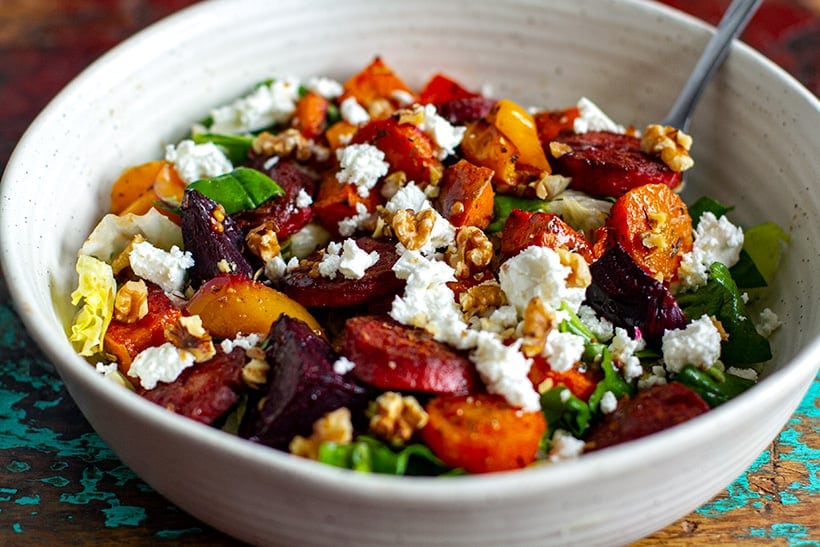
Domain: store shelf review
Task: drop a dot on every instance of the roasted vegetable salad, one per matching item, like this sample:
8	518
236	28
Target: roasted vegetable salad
432	281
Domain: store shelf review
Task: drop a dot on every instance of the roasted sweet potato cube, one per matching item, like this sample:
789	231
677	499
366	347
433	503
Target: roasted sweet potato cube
551	123
337	200
406	148
466	197
525	228
483	144
309	116
376	81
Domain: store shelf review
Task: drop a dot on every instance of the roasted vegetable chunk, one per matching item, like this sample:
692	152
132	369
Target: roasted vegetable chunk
525	228
302	386
392	356
466	197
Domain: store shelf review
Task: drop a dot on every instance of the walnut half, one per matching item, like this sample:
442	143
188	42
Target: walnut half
670	144
395	418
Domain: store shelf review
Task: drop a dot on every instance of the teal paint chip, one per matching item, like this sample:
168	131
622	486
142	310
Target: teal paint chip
17	527
123	515
177	534
18	467
28	500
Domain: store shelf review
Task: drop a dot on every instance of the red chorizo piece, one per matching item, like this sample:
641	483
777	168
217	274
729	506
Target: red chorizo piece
392	356
608	164
650	411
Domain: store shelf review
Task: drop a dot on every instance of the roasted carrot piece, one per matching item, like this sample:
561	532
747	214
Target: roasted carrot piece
141	187
525	228
652	224
339	134
581	382
466	197
441	89
309	116
482	433
336	201
551	123
376	81
406	148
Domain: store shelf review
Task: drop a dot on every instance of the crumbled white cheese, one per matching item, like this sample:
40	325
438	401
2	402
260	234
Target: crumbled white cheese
402	97
326	87
352	112
362	165
601	327
165	268
656	376
538	271
312	236
564	446
245	342
346	258
303	199
608	402
716	240
106	369
413	198
350	225
160	364
270	162
745	373
197	161
408	196
769	322
592	118
343	365
623	350
265	106
504	369
697	344
445	135
563	350
499	321
276	267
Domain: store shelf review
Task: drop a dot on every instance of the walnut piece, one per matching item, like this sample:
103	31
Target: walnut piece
670	144
537	324
289	142
558	149
131	302
262	241
474	251
481	298
335	426
413	229
395	418
255	371
579	277
189	334
122	260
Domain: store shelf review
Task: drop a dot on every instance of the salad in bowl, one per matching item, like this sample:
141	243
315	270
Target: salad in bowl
428	282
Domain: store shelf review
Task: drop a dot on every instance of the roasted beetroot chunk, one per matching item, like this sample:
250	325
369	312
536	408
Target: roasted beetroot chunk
655	409
282	211
302	386
312	290
212	237
205	391
609	164
626	295
466	109
392	356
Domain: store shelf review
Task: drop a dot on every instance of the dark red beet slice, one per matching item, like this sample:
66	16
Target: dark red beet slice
609	164
650	411
302	386
312	290
389	355
213	239
283	211
463	110
626	295
205	391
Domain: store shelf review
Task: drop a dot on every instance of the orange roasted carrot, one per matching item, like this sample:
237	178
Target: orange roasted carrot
482	433
309	115
141	187
376	81
466	197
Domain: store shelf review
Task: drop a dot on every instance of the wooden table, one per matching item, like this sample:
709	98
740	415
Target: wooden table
59	482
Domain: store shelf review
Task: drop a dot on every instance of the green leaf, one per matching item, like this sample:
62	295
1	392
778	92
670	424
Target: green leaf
745	272
235	146
370	455
612	381
565	411
721	298
240	190
764	244
705	204
711	389
503	205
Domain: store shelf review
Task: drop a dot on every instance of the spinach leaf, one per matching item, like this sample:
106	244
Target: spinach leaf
503	205
563	410
236	147
721	298
370	455
612	381
712	388
764	244
241	189
703	205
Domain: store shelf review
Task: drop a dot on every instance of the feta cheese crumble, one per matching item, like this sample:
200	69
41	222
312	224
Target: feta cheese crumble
165	268
608	403
769	322
623	350
445	135
343	365
697	344
362	165
413	198
353	113
245	342
592	118
326	87
197	161
303	199
263	107
564	446
716	240
346	258
563	350
538	272
504	369
350	225
160	364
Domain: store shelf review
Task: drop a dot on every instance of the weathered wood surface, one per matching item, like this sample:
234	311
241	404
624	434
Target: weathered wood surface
59	482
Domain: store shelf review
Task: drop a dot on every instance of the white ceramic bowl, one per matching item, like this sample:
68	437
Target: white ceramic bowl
756	147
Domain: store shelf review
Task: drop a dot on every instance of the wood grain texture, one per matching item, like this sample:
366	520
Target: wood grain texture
59	481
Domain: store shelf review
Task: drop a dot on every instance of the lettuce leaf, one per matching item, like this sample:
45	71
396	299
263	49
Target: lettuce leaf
370	455
97	290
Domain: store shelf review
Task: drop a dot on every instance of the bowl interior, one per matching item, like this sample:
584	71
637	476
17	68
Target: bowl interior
755	147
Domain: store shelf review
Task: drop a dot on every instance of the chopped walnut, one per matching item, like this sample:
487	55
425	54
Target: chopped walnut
654	237
392	183
262	241
481	298
670	144
413	229
558	149
122	260
549	186
474	251
380	108
538	322
413	116
189	334
335	426
580	276
395	418
255	371
289	142
131	302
